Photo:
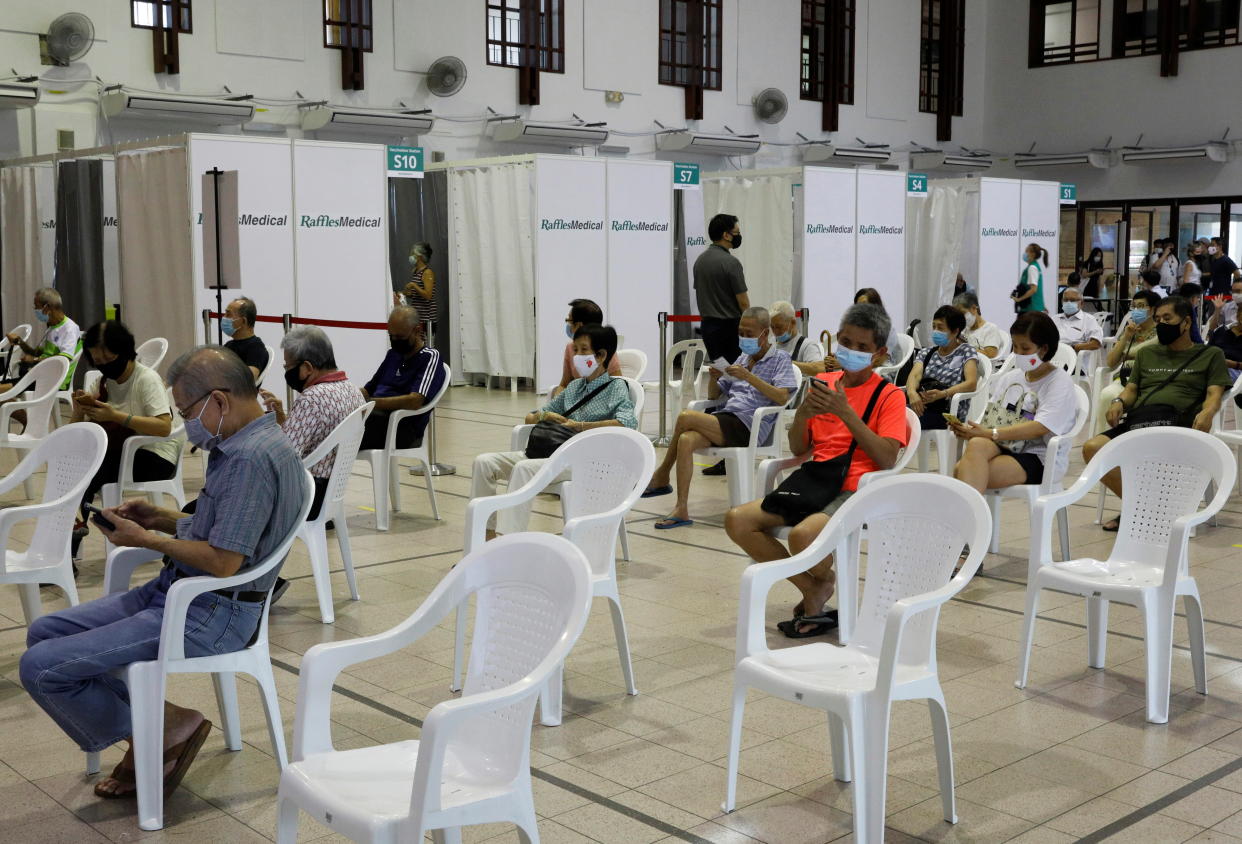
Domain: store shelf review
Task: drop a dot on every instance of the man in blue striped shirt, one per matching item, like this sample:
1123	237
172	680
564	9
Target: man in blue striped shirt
409	376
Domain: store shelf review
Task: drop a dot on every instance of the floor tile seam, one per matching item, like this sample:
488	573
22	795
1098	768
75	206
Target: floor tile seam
379	563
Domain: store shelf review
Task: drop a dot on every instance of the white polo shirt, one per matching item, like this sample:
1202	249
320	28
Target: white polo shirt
1080	328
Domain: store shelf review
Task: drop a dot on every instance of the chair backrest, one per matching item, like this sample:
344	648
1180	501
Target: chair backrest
1164	472
637	395
633	363
1053	472
608	470
905	348
6	348
917	525
72	454
44	380
151	353
534	596
693	354
341	444
271	362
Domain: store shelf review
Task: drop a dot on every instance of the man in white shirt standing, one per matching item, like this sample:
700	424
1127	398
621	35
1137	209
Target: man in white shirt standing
1164	261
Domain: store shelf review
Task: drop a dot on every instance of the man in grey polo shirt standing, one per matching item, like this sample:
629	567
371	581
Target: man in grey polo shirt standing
720	286
252	498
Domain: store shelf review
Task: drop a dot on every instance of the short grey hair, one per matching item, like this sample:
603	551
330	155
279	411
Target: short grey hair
871	318
206	368
782	309
48	296
759	315
407	314
309	343
966	300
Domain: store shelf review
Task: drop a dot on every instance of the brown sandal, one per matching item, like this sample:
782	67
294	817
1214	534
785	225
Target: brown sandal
182	755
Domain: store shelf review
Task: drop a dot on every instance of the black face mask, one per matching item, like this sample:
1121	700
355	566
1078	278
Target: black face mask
1167	333
113	369
295	381
400	345
737	241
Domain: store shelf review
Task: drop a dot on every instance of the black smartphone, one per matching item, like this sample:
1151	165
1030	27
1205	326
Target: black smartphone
98	517
821	384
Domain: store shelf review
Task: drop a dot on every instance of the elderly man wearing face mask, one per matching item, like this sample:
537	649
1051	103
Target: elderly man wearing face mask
252	497
407	378
61	337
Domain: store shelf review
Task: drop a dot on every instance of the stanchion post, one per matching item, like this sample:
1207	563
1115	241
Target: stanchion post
437	468
662	320
206	325
286	321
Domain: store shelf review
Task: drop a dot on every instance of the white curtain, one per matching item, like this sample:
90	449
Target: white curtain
936	226
495	268
764	206
157	270
22	267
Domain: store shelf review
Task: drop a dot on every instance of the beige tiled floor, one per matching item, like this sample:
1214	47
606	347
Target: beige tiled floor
1057	761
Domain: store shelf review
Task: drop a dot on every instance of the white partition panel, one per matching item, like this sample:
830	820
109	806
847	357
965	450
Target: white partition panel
1041	223
571	251
829	201
1000	247
881	249
45	201
640	251
111	246
265	236
340	193
696	236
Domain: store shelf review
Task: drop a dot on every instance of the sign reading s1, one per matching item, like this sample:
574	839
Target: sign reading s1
1069	193
685	176
405	162
916	184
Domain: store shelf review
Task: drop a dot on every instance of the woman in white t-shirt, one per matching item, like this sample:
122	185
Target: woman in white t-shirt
131	399
1014	454
986	337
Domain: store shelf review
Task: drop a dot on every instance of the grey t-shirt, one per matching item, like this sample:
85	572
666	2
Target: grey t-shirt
718	278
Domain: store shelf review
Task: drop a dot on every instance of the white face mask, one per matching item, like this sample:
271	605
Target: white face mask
585	365
971	319
1211	250
1237	298
1027	363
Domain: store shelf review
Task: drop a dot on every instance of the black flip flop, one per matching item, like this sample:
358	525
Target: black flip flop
1109	527
823	623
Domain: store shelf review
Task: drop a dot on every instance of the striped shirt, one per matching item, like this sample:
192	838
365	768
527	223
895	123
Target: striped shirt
613	402
426	308
251	499
742	399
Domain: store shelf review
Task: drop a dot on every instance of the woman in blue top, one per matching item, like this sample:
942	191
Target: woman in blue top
1032	296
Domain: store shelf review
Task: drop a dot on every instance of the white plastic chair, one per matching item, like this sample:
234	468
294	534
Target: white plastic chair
385	475
345	439
1164	472
740	460
174	487
147	680
66	396
272	361
683	389
609	468
633	363
1051	482
521	435
898	356
917	526
471	764
72	455
23	333
846	557
43	381
151	353
947	444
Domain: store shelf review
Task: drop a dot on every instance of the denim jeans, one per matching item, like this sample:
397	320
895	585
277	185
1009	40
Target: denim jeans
70	654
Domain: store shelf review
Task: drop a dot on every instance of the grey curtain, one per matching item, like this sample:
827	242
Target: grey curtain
79	259
418	211
21	261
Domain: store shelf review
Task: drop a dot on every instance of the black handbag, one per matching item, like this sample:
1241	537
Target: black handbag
1158	415
546	437
814	485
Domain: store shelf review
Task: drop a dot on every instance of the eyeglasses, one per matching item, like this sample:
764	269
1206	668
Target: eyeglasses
185	414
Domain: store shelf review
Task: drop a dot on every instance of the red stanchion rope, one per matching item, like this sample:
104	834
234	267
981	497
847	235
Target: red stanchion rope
329	323
697	318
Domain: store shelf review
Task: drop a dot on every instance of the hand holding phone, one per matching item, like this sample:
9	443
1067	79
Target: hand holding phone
98	517
950	419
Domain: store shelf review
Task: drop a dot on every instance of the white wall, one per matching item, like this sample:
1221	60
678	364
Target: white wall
273	49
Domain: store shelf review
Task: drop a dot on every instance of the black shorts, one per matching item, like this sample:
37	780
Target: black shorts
736	434
1032	465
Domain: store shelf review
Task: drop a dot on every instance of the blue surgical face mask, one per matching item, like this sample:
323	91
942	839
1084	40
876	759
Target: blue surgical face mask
196	431
748	345
940	338
785	338
1138	315
851	360
1069	308
569	331
227	326
40	316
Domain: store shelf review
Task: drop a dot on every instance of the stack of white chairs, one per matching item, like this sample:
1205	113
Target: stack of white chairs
685	389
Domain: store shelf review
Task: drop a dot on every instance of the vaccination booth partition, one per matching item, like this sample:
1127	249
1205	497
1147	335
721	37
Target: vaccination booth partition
527	234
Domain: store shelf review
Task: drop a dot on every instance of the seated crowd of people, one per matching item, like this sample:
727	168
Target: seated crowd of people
845	422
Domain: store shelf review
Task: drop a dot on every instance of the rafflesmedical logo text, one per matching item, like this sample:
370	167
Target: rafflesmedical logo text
881	229
309	222
1038	233
820	228
638	226
258	219
560	224
993	231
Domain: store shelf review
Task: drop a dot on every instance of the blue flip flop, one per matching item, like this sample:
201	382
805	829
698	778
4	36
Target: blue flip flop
658	491
668	523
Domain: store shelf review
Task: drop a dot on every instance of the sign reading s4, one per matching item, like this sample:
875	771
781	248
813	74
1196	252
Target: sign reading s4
1069	193
916	184
405	162
685	176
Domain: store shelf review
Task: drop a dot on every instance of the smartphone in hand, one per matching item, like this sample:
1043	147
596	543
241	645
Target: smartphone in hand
98	517
951	419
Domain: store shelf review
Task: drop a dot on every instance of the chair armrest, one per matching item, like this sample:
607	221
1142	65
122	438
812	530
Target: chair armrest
119	568
756	423
771	469
479	510
396	417
10	516
519	437
20	387
129	449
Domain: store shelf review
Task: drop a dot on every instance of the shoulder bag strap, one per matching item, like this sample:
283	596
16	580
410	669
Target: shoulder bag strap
866	417
589	396
1176	373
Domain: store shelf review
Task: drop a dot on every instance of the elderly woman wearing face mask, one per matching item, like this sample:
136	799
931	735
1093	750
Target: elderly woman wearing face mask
420	290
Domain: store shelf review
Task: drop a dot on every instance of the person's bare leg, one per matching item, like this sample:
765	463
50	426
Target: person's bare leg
689	421
972	469
748	525
179	725
818	583
689	442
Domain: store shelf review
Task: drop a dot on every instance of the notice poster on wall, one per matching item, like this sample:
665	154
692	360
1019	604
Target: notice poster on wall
640	251
1041	223
881	242
829	202
264	237
1000	247
340	195
571	251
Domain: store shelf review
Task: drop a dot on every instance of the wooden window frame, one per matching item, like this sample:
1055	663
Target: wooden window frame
827	53
165	49
702	54
1076	53
160	7
1170	16
933	75
349	26
549	44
